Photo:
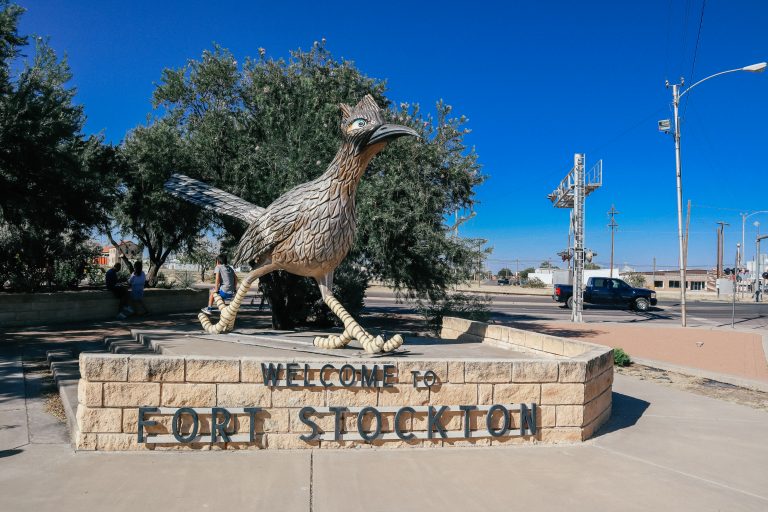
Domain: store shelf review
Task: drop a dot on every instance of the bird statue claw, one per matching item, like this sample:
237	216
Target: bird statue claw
370	344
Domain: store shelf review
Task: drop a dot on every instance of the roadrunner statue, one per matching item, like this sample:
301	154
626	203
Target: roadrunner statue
308	230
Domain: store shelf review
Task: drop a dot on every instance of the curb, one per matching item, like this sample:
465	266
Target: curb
754	385
66	374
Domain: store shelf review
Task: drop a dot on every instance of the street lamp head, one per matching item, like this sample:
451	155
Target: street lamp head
756	223
756	68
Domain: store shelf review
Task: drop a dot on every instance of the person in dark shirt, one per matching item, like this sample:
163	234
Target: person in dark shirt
118	289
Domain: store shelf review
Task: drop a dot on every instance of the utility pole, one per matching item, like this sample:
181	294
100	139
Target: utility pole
735	283
612	213
720	247
654	272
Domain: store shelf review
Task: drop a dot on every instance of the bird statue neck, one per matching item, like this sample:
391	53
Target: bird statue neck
349	166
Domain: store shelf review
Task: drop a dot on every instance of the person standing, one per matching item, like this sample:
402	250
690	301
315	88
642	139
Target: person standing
225	283
137	283
113	284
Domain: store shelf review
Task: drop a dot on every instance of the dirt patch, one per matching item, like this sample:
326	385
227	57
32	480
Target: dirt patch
40	385
54	406
698	385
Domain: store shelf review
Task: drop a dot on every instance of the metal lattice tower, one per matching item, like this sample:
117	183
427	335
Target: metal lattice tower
571	193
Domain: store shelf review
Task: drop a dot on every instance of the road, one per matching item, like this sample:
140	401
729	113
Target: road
521	308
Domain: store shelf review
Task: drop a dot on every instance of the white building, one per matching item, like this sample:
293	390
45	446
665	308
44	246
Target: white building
558	276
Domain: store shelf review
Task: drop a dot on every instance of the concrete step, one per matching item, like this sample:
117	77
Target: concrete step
65	368
125	345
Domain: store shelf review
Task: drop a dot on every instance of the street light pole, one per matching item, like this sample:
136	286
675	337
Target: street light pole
757	263
679	177
735	283
676	96
744	217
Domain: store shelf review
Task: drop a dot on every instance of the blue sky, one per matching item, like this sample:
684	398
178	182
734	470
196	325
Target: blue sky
539	81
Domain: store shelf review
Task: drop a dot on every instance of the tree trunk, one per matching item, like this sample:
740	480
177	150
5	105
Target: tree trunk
289	298
154	268
123	257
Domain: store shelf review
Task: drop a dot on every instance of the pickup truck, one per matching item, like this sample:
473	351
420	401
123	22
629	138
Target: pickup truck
607	291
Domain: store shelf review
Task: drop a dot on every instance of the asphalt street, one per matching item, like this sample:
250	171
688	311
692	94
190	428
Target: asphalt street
521	308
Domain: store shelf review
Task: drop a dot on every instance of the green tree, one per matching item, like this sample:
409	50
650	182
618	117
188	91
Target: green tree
635	279
260	129
591	266
505	272
163	224
55	183
202	253
548	264
524	273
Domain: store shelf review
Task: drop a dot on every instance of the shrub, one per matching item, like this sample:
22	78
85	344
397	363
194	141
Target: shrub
94	274
634	279
184	279
534	283
462	305
621	358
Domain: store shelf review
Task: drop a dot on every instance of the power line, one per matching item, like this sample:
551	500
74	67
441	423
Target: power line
717	207
684	35
695	52
626	131
669	33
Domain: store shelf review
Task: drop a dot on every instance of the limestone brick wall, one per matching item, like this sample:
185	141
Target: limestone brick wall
29	309
572	397
583	362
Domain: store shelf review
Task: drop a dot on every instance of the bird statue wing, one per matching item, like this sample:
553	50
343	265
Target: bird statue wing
212	198
279	221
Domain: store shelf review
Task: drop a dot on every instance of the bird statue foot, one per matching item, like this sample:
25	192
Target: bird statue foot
370	344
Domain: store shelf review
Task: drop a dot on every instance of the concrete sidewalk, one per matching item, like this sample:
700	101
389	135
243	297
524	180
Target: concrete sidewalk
717	352
662	449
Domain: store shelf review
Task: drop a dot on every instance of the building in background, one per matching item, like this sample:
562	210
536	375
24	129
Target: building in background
697	280
110	255
551	276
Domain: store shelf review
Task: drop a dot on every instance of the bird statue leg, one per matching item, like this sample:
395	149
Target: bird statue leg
352	329
228	313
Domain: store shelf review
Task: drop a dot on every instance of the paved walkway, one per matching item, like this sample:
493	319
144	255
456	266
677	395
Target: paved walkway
662	449
722	351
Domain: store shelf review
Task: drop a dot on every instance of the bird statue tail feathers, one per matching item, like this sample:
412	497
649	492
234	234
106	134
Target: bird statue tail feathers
212	198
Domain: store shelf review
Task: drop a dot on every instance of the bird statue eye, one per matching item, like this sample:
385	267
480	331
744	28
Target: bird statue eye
359	123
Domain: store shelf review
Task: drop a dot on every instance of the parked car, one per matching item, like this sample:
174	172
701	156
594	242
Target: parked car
607	291
503	281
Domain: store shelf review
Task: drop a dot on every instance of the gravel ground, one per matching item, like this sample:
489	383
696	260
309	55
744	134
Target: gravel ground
705	387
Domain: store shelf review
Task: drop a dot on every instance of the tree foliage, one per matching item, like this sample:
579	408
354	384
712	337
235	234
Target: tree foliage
263	127
163	224
635	279
55	183
202	253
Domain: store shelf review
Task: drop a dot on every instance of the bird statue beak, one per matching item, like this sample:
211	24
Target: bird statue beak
387	132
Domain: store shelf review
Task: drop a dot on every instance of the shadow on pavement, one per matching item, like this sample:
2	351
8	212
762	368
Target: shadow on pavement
625	412
9	453
530	324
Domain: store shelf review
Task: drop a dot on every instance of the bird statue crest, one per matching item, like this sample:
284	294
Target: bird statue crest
309	230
